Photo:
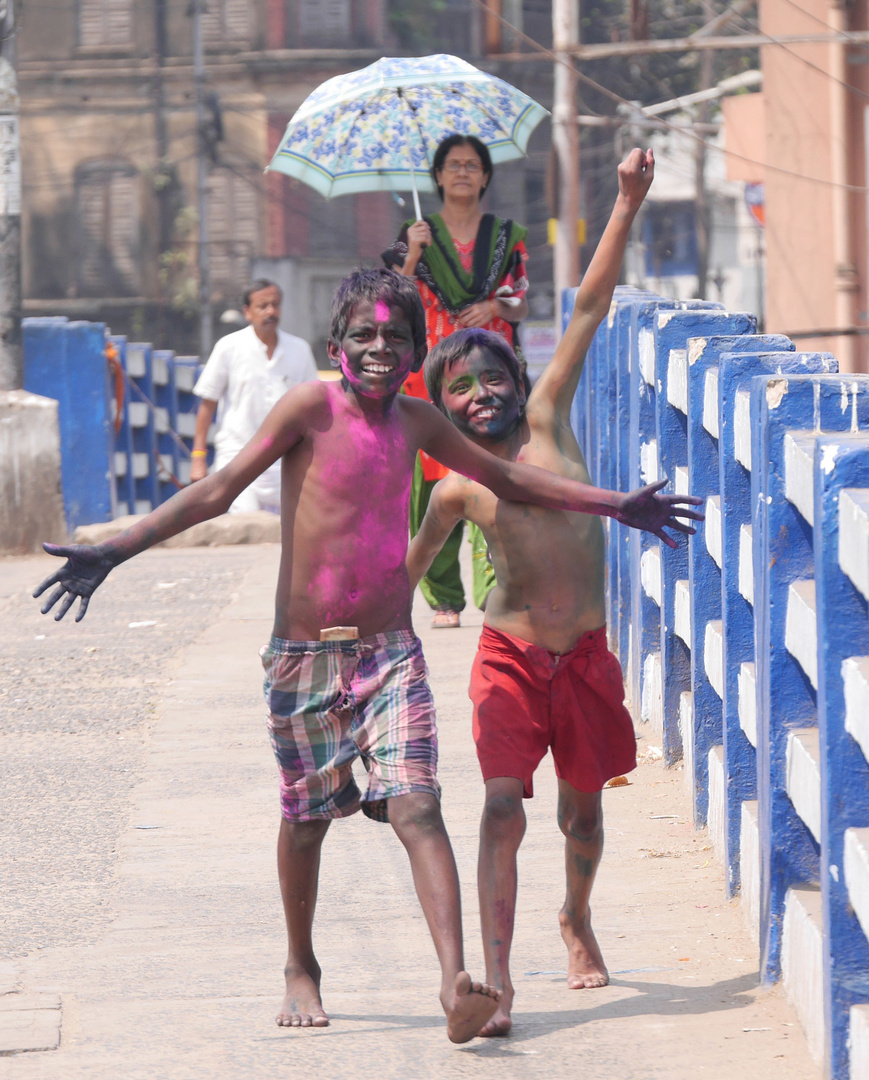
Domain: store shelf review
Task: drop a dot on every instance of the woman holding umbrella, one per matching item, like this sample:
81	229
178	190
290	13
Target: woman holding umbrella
470	271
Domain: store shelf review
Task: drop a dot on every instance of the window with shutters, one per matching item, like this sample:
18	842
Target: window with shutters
227	22
233	228
324	24
105	22
107	229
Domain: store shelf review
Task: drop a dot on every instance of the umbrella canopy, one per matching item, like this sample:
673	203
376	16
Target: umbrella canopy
377	129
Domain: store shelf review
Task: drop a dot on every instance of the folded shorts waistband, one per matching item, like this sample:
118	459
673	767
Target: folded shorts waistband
589	641
392	638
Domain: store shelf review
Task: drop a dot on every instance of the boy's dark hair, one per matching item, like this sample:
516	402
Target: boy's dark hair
457	346
258	286
444	148
375	284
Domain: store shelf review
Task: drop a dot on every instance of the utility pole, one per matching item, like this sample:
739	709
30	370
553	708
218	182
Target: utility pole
11	366
702	210
565	142
205	330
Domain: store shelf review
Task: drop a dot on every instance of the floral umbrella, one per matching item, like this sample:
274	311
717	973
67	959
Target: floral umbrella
377	129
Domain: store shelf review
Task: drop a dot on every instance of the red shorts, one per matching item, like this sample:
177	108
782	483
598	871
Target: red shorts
528	700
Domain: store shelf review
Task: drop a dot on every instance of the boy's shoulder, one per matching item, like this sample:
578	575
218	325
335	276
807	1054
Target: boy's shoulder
307	401
460	492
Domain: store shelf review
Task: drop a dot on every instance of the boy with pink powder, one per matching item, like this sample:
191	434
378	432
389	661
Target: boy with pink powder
543	677
345	676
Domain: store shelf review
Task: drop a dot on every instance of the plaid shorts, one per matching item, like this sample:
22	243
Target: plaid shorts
331	702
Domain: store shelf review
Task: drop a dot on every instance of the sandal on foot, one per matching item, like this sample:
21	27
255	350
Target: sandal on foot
445	618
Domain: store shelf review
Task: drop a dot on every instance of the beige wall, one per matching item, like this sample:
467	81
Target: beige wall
745	137
803	263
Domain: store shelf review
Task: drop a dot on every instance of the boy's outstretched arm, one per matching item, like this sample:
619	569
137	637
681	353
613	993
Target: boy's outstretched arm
647	508
556	387
88	566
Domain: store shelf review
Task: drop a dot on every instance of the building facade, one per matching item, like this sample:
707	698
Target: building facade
109	154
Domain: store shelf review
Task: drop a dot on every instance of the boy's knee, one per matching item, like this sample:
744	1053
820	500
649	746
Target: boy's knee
416	811
503	813
303	834
584	824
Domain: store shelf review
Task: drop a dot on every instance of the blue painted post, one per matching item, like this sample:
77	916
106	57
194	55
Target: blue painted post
123	463
672	331
618	426
783	555
66	361
164	400
580	410
843	632
644	549
740	756
184	374
143	428
704	567
623	367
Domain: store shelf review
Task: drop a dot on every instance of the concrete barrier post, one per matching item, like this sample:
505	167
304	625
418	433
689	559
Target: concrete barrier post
786	412
125	480
643	548
66	361
739	711
622	373
31	505
672	332
841	490
166	406
185	371
705	555
142	427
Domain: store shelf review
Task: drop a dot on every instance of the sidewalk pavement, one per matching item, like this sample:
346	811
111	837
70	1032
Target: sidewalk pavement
142	926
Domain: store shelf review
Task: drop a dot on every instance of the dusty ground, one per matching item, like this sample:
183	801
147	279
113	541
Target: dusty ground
138	813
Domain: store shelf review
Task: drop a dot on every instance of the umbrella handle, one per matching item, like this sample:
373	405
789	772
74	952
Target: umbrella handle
416	206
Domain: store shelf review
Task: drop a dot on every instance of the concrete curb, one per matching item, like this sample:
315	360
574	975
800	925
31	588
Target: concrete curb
260	527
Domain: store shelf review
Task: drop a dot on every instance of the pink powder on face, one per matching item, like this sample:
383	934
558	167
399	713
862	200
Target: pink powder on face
381	311
350	376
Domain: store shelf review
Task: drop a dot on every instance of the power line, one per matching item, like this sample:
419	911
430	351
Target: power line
808	63
631	107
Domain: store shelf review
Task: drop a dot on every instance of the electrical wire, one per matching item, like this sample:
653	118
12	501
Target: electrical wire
808	63
859	189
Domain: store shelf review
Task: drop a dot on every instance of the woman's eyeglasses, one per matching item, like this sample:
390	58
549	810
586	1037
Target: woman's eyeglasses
468	166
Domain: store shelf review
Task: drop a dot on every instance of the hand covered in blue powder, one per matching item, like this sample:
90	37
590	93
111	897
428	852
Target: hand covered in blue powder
647	509
86	568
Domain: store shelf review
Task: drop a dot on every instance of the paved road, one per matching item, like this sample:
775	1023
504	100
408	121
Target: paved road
138	813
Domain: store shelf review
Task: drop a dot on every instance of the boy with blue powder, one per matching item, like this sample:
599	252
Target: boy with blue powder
345	676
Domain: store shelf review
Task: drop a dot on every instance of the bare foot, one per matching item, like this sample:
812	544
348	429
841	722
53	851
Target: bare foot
501	1023
301	1006
585	967
468	1006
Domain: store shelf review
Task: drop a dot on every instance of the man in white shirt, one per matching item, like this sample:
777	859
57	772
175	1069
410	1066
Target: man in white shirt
249	371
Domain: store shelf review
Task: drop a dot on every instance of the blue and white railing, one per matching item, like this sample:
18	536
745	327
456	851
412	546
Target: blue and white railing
125	433
746	651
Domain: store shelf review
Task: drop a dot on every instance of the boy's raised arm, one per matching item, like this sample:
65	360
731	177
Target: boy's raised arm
88	566
556	387
647	508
